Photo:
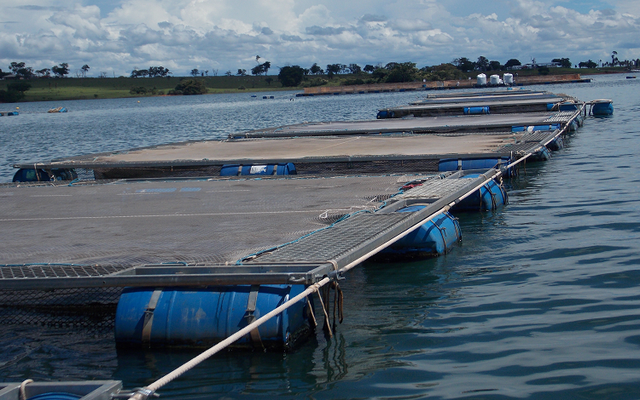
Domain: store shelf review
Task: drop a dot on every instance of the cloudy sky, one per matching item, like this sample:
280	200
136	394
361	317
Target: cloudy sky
117	36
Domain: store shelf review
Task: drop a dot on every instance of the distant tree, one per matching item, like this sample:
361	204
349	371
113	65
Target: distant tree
587	64
564	62
19	86
495	66
355	68
291	76
464	64
512	63
241	72
315	69
228	73
15	92
161	71
44	72
15	66
379	74
268	80
190	87
333	69
84	69
195	72
614	58
10	96
61	70
21	70
369	68
261	68
3	74
402	72
482	64
137	73
442	72
543	70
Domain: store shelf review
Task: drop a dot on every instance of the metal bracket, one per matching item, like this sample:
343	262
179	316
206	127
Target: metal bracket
148	316
250	314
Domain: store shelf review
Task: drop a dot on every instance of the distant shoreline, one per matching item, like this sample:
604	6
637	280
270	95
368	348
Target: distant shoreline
59	89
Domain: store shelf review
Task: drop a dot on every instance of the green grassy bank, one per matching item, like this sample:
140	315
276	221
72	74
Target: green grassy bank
53	89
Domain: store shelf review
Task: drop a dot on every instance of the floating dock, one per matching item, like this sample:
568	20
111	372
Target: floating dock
438	85
482	103
245	228
329	148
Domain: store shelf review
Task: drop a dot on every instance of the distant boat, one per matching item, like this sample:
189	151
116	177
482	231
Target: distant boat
9	113
631	77
57	110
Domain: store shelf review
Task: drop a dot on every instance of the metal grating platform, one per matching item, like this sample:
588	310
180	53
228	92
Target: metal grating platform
435	189
331	244
192	231
561	117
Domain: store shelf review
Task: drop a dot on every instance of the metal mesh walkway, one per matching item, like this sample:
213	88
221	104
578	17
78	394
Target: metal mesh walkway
136	229
204	221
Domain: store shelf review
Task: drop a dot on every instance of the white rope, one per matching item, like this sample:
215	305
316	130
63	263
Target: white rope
148	390
23	388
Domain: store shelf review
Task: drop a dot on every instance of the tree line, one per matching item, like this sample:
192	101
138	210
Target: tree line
390	72
20	70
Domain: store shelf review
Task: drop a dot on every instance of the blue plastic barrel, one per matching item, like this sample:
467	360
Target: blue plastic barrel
541	155
58	174
556	144
489	197
55	396
433	238
382	114
476	110
549	127
270	169
454	164
205	316
31	175
568	106
602	108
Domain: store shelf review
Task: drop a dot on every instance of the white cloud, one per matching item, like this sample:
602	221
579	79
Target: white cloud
186	34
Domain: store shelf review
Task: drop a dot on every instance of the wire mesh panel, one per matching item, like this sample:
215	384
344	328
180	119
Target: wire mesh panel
118	225
97	230
90	309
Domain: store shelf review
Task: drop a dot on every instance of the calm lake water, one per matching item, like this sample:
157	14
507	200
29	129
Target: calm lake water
540	300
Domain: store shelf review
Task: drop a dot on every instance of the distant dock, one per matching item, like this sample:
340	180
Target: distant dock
437	85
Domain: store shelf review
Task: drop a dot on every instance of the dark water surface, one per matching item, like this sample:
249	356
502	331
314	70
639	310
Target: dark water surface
540	301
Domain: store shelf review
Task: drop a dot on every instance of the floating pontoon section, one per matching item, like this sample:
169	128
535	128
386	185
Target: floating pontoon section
275	212
326	149
445	124
496	103
171	234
